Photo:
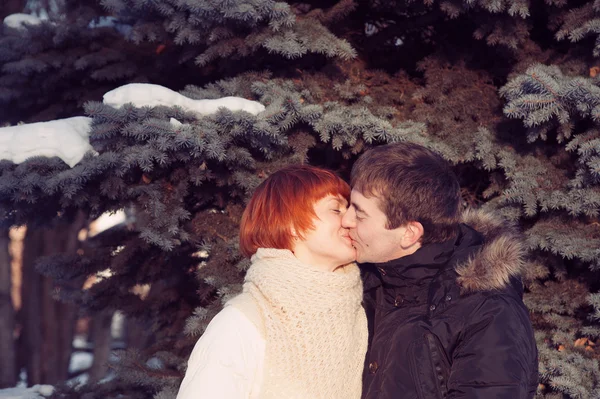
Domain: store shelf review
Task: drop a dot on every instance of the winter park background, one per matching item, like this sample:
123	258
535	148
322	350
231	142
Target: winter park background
116	107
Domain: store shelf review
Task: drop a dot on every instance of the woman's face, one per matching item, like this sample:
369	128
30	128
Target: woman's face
328	245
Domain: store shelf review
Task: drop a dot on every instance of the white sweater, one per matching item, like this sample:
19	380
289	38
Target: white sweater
295	332
227	361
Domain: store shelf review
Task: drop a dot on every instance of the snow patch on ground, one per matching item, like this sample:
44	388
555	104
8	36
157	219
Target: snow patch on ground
34	392
64	138
151	95
80	361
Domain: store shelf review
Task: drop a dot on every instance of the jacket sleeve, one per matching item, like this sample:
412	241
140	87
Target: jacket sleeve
225	360
496	356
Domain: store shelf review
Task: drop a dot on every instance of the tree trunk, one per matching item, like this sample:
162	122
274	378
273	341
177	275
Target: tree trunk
48	325
102	339
31	316
8	365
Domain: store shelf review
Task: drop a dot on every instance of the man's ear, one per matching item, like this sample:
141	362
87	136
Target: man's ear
412	234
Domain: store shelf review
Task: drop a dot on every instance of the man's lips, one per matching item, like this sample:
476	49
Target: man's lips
352	241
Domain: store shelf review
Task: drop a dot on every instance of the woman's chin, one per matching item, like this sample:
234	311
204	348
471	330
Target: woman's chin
346	254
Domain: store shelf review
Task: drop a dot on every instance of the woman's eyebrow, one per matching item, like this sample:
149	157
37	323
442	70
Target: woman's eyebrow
340	201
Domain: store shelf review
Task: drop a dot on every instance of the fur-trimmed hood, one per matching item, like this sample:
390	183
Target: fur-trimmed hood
499	258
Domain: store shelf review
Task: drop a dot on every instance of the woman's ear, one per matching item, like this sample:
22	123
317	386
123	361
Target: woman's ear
293	233
412	234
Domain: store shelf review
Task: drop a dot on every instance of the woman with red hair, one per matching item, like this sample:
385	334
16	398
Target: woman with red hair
298	329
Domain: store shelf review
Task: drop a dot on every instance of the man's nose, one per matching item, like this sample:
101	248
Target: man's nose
349	218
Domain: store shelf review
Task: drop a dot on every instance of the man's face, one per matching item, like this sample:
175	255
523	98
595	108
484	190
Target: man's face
374	243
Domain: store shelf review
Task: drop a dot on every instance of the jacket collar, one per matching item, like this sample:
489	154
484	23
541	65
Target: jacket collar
487	254
419	267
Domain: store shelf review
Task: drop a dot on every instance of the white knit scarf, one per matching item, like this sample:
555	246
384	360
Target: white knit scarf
314	326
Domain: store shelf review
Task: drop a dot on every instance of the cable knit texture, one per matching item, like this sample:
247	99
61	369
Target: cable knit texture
314	326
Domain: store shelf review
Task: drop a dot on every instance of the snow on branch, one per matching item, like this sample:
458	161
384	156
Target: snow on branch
18	21
151	95
63	138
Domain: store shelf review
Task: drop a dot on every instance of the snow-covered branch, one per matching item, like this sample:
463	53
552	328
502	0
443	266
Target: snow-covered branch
18	21
151	95
63	138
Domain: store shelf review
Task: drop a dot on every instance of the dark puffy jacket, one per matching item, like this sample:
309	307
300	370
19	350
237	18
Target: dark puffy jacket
449	322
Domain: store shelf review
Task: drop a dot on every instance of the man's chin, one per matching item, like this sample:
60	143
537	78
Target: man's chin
361	259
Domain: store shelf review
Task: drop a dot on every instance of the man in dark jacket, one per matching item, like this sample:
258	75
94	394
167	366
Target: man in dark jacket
443	293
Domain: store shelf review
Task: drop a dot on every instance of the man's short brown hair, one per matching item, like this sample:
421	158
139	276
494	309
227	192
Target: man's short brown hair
412	184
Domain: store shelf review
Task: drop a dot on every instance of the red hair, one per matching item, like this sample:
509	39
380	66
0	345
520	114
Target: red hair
286	200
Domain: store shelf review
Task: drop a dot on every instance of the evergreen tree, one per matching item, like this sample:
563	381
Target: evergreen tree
508	91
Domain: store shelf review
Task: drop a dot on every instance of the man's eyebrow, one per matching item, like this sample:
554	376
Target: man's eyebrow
358	208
